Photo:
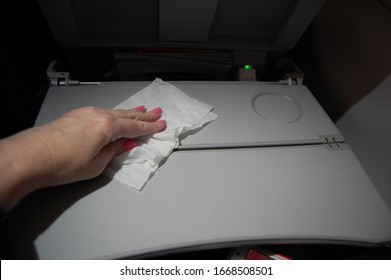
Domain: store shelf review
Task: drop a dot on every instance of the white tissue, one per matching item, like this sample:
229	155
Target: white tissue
182	113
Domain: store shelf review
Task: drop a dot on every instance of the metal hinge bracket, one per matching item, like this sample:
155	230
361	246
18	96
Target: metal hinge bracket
59	78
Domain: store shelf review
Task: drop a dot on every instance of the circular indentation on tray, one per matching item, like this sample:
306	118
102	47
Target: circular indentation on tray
277	107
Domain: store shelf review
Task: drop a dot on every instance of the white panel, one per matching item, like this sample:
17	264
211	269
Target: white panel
212	198
215	198
239	124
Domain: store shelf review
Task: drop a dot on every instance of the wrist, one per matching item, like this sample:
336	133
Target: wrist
21	167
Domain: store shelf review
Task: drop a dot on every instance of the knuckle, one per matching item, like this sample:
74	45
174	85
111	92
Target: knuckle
106	121
143	126
104	125
132	115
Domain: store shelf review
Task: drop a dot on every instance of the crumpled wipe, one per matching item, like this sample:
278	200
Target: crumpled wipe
182	113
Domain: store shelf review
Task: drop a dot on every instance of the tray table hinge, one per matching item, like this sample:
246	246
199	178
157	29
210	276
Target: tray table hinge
332	142
291	81
59	78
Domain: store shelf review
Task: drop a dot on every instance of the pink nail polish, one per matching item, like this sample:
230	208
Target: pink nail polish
162	121
140	108
130	144
157	110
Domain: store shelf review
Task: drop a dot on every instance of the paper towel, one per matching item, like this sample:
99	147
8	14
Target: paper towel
182	113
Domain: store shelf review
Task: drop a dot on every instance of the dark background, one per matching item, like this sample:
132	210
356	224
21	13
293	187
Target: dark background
345	53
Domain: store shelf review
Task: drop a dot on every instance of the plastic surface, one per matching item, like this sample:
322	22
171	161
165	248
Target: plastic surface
278	108
210	198
238	123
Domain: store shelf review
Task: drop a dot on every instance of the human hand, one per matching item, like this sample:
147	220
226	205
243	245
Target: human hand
77	146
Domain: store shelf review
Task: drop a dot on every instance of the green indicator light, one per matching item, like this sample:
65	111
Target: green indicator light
248	66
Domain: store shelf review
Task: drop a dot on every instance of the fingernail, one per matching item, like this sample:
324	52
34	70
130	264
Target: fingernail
140	108
130	144
162	121
157	110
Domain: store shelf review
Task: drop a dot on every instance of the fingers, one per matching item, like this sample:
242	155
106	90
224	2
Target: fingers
133	129
138	113
137	122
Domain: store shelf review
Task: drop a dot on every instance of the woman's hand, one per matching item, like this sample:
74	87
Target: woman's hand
77	146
